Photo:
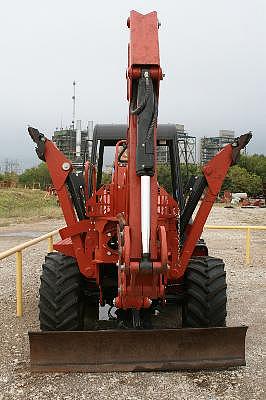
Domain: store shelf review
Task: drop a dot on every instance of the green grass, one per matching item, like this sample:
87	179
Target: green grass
23	204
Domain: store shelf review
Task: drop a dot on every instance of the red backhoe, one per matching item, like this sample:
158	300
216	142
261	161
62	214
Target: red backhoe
133	247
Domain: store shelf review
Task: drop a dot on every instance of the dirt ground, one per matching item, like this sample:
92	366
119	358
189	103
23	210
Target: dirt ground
246	305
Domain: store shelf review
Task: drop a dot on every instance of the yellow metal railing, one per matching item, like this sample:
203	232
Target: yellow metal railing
248	230
49	237
18	251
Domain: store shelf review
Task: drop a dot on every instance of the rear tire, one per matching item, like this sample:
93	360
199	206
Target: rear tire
61	294
205	289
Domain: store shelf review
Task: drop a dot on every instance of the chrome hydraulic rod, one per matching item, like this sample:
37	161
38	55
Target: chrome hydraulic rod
145	213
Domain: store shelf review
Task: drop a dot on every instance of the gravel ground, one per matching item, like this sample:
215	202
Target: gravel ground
246	293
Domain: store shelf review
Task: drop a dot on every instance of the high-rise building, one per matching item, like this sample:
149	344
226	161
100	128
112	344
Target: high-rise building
74	142
210	146
186	146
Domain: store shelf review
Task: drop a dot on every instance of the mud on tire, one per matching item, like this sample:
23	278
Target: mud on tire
61	294
205	289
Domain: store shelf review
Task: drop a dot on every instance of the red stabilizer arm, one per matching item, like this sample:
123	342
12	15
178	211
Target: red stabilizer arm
59	168
215	172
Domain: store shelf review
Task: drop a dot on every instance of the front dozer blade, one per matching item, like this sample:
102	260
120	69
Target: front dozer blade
137	350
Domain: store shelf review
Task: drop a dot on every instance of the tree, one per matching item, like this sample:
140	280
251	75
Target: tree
10	177
240	180
165	179
106	177
38	174
237	180
255	164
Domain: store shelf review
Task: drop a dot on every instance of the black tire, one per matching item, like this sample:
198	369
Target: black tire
61	294
205	293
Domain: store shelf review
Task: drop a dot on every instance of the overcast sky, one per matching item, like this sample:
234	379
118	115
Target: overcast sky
213	53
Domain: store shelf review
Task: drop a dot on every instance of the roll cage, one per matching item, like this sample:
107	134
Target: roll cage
108	135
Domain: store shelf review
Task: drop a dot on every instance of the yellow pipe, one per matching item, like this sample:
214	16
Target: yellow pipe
248	247
29	243
50	244
19	283
248	228
241	227
18	250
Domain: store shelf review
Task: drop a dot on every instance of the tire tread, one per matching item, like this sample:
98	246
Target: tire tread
60	294
205	286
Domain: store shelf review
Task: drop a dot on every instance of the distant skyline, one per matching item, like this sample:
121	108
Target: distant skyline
19	166
213	54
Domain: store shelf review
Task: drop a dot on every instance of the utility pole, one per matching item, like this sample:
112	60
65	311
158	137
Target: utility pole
74	105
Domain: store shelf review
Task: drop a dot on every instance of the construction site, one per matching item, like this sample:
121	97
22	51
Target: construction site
132	257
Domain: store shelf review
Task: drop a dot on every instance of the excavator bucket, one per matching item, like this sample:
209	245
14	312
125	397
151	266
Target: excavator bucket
137	350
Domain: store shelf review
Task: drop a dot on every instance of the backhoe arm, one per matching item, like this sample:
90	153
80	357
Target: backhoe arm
60	169
214	174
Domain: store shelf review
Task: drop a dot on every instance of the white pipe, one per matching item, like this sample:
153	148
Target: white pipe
145	187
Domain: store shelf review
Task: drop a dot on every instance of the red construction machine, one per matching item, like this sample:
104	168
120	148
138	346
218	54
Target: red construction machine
132	246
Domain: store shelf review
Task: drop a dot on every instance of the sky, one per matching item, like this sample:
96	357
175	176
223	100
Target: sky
213	54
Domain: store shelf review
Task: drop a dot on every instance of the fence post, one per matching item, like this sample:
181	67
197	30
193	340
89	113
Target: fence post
19	283
50	244
248	247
